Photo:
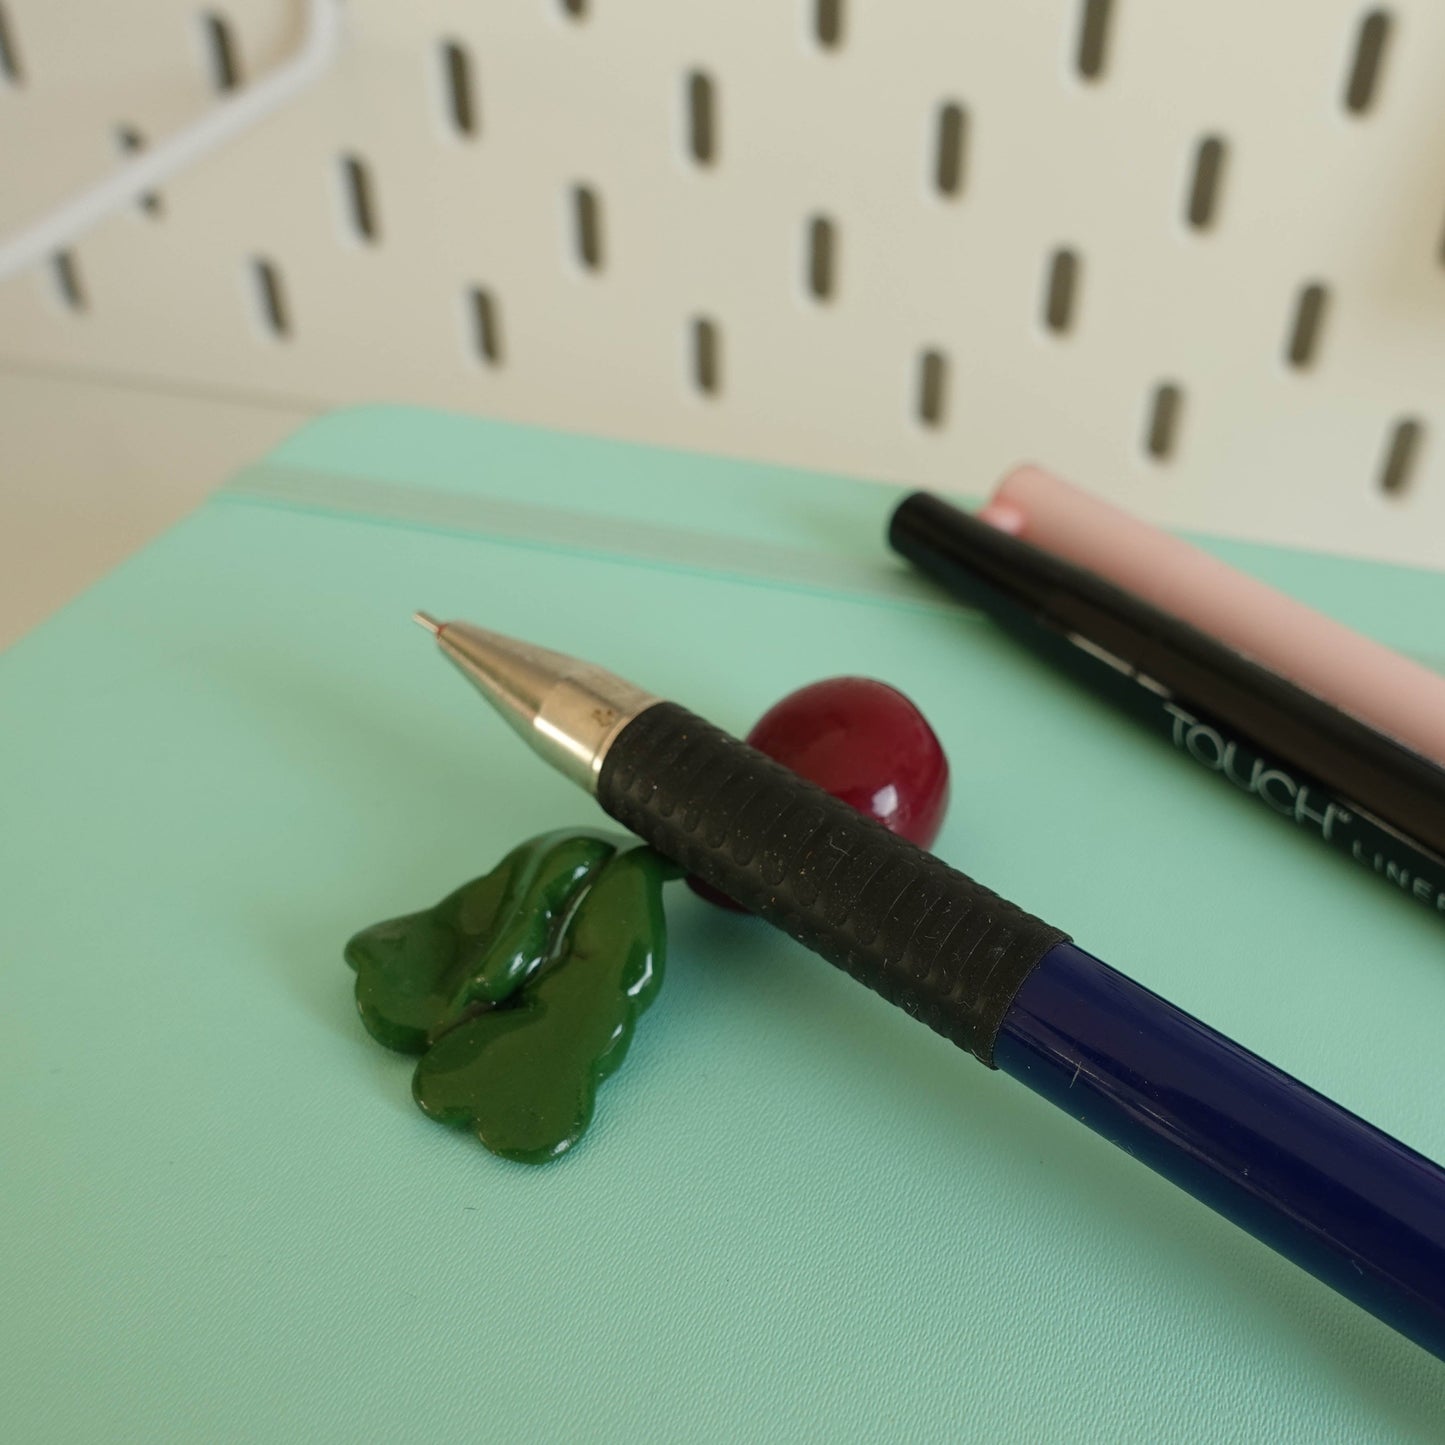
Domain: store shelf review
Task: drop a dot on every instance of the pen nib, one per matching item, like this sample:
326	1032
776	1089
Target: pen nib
425	619
567	710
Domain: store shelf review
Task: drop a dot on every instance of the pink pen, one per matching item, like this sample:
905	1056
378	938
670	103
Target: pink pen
1398	697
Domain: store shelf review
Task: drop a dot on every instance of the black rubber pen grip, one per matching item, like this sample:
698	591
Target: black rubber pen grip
926	937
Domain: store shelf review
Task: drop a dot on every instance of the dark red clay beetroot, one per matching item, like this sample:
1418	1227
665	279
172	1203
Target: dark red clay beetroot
865	743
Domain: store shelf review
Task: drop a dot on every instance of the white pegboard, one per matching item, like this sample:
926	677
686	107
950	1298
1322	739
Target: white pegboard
688	313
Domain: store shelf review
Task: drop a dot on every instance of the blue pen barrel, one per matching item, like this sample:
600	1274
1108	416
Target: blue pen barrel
1356	1208
1340	1198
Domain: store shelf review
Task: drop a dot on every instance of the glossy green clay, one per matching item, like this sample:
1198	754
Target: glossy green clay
525	1077
417	976
522	989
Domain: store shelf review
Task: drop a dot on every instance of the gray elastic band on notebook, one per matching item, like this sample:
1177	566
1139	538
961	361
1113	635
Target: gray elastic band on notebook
523	524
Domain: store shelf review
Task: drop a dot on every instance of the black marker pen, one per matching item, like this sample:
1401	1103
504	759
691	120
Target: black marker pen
1322	769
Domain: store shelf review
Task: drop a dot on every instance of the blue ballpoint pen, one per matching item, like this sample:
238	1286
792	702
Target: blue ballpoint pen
1356	1208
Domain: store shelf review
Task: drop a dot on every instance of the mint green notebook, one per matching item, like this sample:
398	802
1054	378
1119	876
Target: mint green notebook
799	1215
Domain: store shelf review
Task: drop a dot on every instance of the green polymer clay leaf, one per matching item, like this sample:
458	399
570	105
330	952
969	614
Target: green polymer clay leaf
524	1076
417	976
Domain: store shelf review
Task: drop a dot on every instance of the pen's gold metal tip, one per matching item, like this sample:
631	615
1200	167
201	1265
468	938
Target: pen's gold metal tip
425	619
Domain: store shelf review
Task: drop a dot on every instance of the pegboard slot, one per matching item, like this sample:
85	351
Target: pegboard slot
828	23
1061	291
1402	456
270	297
1371	40
1166	407
66	272
706	356
360	195
932	405
1093	53
587	227
11	71
128	141
949	147
1302	349
1202	210
822	258
701	118
221	52
486	325
574	9
460	88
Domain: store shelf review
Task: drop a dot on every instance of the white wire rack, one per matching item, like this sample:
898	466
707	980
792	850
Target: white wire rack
1192	256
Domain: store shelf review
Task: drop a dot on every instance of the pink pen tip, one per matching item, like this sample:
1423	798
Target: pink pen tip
1006	516
425	619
